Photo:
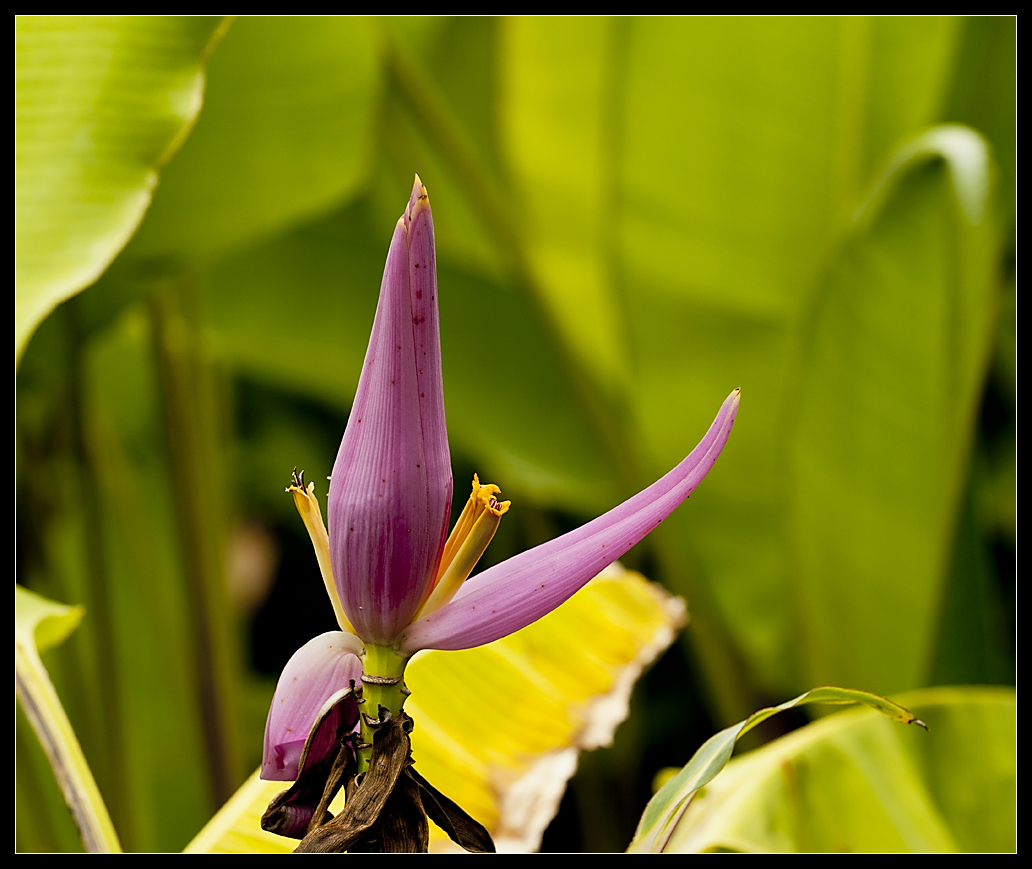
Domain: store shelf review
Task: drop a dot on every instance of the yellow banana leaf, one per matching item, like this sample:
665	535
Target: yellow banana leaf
499	728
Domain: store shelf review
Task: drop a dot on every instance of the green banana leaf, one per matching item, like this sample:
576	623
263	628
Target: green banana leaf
854	782
101	105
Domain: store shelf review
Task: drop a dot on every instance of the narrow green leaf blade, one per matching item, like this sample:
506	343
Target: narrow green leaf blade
851	782
666	808
39	619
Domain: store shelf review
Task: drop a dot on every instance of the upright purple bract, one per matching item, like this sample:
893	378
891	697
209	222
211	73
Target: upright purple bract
391	489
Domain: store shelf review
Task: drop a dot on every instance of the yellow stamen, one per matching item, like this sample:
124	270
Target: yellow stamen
308	506
469	538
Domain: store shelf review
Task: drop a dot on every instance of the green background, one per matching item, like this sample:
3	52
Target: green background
633	217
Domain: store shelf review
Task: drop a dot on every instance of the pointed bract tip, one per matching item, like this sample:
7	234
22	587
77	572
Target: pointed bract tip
418	199
729	409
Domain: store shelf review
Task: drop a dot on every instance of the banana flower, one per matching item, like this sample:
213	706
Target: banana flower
397	581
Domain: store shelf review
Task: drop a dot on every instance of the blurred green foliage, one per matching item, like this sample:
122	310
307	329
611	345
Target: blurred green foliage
633	217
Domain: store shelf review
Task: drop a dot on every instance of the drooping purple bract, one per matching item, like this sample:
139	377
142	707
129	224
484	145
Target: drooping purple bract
391	489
